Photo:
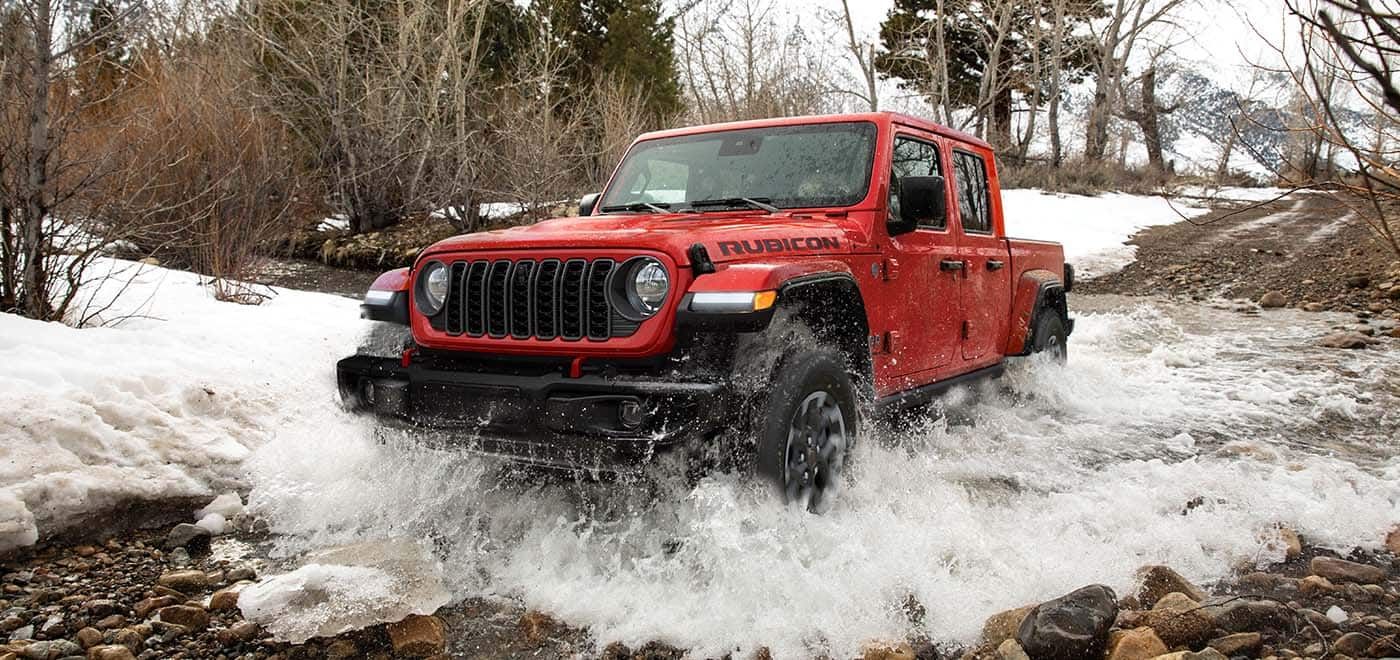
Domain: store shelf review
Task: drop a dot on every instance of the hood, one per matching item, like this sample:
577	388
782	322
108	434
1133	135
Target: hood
726	236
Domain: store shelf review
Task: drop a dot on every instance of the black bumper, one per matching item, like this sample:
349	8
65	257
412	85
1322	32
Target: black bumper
594	421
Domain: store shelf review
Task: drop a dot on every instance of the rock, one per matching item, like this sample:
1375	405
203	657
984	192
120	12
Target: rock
238	633
1347	340
22	633
1358	280
101	607
1341	570
1003	625
1259	580
1317	619
144	608
418	636
1313	307
241	574
1251	616
1337	615
1273	300
152	261
1010	650
1204	654
186	582
226	598
342	649
1178	621
1292	544
1072	626
1352	643
191	537
110	652
536	626
1135	644
112	622
887	651
1245	643
89	637
1313	586
1158	581
1385	647
188	616
1392	540
1176	601
51	650
227	505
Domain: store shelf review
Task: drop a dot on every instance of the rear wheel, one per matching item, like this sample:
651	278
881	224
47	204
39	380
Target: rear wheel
807	427
1051	336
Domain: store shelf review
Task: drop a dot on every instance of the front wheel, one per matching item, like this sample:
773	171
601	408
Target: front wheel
807	428
1051	336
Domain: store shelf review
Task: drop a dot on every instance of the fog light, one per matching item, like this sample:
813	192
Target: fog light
630	414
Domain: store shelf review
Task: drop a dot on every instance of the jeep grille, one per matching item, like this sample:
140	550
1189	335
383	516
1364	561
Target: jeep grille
529	299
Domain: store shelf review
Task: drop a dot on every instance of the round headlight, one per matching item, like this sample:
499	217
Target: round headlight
432	288
648	287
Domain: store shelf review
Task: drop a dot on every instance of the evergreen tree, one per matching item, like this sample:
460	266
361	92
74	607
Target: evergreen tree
630	41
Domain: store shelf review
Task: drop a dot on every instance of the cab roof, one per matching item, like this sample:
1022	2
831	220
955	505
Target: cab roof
882	119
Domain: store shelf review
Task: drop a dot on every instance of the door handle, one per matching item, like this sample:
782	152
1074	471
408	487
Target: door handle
951	264
993	264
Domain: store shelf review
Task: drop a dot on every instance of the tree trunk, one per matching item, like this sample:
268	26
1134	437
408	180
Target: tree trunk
1096	131
1001	119
1057	62
36	206
1147	120
1223	169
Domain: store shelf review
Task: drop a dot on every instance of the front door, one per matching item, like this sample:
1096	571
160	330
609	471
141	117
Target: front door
927	292
986	281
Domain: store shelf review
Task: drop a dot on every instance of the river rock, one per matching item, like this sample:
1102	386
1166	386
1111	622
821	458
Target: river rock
1317	619
144	608
1349	340
1003	625
1158	581
1313	586
193	538
226	598
1135	644
1352	643
1204	654
238	633
536	626
418	636
1178	621
1341	570
1245	643
1072	626
132	638
1392	540
887	651
1251	616
188	616
1010	650
89	637
186	582
1273	300
110	652
51	650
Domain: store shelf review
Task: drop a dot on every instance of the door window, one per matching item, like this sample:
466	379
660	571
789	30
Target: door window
973	199
914	158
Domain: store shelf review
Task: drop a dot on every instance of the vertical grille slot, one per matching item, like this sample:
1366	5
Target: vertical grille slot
475	299
497	299
599	311
571	292
520	306
546	299
454	302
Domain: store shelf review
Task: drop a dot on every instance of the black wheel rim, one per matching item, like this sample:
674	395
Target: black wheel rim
816	452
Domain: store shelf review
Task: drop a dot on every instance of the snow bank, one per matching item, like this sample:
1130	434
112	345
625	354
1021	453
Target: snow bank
165	403
1094	230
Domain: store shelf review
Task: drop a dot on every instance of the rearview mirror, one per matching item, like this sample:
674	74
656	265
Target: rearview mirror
585	205
921	201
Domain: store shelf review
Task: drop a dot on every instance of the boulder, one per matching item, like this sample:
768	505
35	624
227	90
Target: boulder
186	582
193	538
1273	300
1158	581
1178	621
418	636
1341	570
1245	643
1350	340
1135	644
1003	625
1072	626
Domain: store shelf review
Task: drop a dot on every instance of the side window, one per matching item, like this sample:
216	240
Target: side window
914	158
973	199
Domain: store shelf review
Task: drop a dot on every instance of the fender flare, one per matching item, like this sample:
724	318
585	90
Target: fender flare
1038	292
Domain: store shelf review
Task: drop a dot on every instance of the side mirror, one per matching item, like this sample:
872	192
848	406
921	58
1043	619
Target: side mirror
585	205
922	200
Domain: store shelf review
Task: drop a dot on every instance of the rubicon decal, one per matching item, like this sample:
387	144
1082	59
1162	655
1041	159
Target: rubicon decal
795	244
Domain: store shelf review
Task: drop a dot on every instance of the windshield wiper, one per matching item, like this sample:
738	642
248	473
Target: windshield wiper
753	202
637	207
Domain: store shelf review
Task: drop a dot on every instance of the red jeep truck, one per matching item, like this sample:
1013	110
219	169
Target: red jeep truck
752	290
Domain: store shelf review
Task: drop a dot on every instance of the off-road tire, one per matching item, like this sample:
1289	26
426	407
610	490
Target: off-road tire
815	380
1051	336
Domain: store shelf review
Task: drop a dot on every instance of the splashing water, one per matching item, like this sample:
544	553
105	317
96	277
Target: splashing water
1176	434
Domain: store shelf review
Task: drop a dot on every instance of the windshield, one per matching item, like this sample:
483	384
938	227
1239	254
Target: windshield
813	165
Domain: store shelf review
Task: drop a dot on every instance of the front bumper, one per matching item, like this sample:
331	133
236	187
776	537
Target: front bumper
544	417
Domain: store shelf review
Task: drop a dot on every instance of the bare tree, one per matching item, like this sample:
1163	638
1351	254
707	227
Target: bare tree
1147	113
863	56
1127	24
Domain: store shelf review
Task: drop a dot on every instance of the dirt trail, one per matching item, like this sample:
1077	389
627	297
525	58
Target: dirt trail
1309	246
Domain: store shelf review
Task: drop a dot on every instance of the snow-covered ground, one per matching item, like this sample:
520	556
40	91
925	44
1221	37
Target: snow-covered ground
1092	229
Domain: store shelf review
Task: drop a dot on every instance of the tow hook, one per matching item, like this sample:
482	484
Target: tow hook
407	358
576	367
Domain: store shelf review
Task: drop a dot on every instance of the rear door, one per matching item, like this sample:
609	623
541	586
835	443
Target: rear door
986	281
928	295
